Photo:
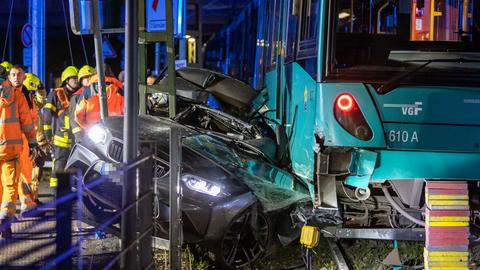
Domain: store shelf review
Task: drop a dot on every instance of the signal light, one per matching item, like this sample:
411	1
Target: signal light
348	115
345	102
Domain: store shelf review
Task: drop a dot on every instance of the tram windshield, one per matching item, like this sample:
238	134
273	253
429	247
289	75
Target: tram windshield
375	40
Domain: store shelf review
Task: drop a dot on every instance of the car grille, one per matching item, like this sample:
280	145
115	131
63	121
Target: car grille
115	150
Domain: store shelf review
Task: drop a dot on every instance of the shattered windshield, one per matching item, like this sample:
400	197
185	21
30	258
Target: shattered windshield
275	188
376	40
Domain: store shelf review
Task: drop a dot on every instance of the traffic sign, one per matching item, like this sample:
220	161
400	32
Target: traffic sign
108	51
27	35
180	64
156	17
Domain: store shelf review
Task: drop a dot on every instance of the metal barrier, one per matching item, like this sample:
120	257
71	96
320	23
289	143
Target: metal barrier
35	244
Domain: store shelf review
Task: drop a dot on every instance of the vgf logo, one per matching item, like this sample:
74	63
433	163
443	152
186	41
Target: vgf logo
407	109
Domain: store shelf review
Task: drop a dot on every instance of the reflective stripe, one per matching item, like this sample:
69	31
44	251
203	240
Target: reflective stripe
13	118
51	107
53	182
27	127
62	139
61	144
47	127
67	121
64	142
5	142
76	130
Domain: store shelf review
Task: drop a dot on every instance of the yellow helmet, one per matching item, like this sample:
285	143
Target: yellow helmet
85	71
31	82
6	65
69	72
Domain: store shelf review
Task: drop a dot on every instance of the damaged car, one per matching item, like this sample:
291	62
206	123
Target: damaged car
232	193
238	201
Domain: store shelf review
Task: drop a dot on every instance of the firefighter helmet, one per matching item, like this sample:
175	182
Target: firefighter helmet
6	65
31	82
69	72
85	71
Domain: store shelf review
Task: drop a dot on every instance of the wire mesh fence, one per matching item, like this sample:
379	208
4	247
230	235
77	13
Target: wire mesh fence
79	228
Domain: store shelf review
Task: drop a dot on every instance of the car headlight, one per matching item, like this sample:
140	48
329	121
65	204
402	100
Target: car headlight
98	133
203	186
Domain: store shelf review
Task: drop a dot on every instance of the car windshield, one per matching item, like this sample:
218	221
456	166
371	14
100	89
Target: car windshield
374	40
274	187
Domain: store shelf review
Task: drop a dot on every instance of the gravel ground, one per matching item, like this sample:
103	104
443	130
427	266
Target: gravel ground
360	254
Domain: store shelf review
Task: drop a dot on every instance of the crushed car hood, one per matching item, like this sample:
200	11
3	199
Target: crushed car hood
226	89
275	188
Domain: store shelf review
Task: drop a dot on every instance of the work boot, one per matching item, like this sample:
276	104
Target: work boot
5	229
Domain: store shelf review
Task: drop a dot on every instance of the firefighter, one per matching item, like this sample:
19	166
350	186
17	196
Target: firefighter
33	174
16	78
84	75
88	110
56	111
15	121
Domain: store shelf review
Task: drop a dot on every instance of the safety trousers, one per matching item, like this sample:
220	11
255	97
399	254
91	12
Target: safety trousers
60	157
9	176
27	186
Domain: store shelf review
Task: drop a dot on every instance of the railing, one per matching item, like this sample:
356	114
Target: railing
64	240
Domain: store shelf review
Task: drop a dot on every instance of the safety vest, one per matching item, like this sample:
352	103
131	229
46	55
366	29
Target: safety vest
87	112
15	120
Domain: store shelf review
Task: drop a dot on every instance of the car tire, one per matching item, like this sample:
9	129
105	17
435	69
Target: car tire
95	211
240	235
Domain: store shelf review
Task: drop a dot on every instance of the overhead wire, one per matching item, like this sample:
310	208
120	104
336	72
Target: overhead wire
68	33
8	30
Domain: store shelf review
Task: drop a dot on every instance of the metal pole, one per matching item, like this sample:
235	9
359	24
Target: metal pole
130	134
38	39
158	48
182	48
97	37
145	209
172	92
63	225
175	230
200	49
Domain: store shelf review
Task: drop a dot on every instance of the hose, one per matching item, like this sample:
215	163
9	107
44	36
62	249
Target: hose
400	209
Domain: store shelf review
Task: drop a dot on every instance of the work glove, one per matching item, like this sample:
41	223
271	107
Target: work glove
37	155
32	149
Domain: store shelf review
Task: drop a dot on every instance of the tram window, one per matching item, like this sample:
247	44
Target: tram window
292	29
374	40
271	31
310	17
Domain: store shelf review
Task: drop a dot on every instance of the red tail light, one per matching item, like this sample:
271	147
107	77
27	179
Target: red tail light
350	117
345	102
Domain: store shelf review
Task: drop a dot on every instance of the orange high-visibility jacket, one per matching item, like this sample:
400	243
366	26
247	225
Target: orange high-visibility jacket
15	120
87	112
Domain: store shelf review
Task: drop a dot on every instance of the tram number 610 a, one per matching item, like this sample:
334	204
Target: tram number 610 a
399	136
